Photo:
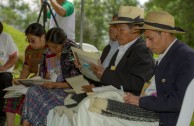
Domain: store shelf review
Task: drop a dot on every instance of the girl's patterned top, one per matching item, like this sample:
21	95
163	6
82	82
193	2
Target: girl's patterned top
64	65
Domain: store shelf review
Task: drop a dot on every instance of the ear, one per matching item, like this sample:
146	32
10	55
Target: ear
43	37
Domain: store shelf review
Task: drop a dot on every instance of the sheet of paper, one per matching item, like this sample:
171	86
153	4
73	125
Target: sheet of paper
85	58
14	87
12	94
15	91
23	90
104	88
77	82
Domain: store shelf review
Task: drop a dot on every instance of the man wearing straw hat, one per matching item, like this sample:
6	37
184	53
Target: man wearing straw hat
174	70
132	64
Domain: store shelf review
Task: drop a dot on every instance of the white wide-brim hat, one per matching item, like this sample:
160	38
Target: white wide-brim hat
129	14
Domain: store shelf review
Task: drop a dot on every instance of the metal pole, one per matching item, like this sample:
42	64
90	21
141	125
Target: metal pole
81	23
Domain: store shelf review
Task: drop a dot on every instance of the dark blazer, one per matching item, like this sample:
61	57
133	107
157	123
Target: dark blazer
135	68
173	74
105	52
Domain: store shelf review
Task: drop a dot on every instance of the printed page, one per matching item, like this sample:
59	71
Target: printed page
77	82
85	58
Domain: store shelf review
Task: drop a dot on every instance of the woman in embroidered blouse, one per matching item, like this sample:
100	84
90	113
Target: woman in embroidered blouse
57	65
35	36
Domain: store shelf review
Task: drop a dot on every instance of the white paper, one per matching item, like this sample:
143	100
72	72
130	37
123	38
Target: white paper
77	82
85	58
104	88
14	87
15	91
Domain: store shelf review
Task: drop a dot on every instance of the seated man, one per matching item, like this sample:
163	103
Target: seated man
132	64
8	58
174	71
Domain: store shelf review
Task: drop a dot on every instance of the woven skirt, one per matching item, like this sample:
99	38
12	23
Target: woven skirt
14	105
39	101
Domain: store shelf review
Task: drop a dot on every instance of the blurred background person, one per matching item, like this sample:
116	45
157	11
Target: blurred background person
8	58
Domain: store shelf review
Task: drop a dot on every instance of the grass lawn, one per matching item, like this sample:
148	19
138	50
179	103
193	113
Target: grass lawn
17	120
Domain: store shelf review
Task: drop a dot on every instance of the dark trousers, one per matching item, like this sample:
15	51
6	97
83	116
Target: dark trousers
5	81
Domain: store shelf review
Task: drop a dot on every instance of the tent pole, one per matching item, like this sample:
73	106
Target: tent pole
81	23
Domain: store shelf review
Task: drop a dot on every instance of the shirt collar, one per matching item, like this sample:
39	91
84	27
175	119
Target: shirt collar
163	54
126	46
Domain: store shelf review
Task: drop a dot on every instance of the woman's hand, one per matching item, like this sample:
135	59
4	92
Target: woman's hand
15	82
52	85
49	85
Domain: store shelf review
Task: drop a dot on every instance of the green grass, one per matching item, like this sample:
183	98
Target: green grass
192	121
17	120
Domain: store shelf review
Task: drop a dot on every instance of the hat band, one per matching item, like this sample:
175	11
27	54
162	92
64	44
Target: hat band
167	27
137	19
160	25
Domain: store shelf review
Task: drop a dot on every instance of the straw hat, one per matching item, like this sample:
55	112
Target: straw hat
161	21
129	14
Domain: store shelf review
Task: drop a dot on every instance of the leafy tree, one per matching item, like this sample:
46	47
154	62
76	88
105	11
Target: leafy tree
182	11
98	14
17	13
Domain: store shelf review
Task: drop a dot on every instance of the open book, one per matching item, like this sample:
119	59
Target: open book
22	88
37	80
85	58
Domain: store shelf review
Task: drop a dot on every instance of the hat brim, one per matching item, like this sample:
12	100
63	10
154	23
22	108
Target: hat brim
149	27
120	22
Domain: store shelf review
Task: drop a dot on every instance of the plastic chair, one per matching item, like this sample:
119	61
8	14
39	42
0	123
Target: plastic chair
187	108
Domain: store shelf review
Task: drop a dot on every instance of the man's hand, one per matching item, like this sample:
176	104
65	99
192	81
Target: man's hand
77	64
131	99
88	88
97	70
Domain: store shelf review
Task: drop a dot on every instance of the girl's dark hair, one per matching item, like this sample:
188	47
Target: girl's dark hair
56	36
35	29
1	27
